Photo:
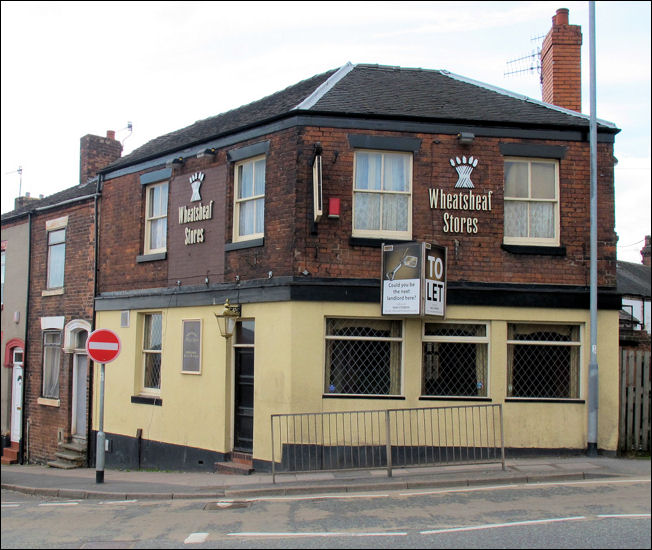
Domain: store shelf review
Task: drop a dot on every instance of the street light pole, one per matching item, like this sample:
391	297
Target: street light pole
592	439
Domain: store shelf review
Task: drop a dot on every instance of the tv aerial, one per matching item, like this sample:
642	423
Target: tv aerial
19	171
528	63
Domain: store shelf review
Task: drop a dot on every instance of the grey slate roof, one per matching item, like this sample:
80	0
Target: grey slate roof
374	91
56	199
633	279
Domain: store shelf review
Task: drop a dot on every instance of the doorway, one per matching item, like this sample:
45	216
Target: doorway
243	413
78	420
17	395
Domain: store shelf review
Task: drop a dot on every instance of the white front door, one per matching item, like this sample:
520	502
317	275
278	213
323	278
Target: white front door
17	396
79	388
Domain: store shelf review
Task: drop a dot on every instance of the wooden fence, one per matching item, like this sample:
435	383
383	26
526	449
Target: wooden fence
634	429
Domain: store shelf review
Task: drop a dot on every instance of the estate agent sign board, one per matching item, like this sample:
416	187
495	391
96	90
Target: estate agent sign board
413	279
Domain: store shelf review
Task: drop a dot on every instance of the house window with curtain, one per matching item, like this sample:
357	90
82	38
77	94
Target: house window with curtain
531	202
543	361
363	357
156	218
382	195
249	202
455	360
51	363
152	349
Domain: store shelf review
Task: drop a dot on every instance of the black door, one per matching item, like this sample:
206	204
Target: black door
244	400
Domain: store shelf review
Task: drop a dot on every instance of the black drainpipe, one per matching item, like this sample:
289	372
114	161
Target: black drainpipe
23	428
96	221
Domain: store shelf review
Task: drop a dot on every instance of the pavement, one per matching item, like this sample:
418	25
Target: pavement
80	483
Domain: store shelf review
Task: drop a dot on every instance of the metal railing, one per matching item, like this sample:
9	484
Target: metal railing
351	440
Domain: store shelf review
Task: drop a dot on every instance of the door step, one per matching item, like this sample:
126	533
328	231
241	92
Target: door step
239	464
10	454
71	454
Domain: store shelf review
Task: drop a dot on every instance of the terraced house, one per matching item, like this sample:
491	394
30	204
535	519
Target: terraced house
307	211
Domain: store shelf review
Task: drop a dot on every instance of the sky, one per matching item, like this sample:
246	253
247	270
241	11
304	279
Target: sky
76	68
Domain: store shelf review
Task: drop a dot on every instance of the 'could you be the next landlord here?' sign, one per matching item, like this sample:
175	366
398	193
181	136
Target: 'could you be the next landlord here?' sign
414	279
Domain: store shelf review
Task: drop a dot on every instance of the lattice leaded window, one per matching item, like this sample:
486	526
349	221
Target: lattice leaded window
152	346
455	360
543	361
363	356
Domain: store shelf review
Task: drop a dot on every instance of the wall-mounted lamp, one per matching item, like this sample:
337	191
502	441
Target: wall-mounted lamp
465	138
176	160
227	318
207	152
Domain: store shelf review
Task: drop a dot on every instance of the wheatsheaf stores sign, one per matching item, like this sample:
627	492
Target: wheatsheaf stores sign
459	207
195	213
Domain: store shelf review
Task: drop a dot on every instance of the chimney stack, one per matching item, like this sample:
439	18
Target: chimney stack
645	251
561	71
20	202
95	153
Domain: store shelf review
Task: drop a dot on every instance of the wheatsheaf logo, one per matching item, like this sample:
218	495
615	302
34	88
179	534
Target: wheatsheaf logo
464	170
197	213
195	182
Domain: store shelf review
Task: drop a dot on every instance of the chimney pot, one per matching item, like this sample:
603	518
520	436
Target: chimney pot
111	133
645	251
560	18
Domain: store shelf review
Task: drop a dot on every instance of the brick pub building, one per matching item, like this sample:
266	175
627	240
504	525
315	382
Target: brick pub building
282	207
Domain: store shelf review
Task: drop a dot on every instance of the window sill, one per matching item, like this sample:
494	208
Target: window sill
238	245
534	249
151	257
544	400
453	398
147	400
360	396
49	401
53	292
376	243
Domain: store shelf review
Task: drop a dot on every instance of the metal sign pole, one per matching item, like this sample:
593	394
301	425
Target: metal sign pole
101	437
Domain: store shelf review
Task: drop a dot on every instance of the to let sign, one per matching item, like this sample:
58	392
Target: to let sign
103	345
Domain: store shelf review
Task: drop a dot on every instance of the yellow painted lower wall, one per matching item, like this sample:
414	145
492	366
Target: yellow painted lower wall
197	409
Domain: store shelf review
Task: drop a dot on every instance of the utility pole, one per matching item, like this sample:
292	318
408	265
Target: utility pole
592	443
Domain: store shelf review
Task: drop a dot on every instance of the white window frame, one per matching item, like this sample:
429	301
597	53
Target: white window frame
146	390
4	259
51	247
52	350
237	203
486	340
383	233
147	249
535	241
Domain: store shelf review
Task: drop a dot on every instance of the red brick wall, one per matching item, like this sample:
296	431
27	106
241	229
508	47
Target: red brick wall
290	247
479	256
560	63
75	303
122	225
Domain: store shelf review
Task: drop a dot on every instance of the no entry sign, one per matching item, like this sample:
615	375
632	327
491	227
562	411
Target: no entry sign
103	345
